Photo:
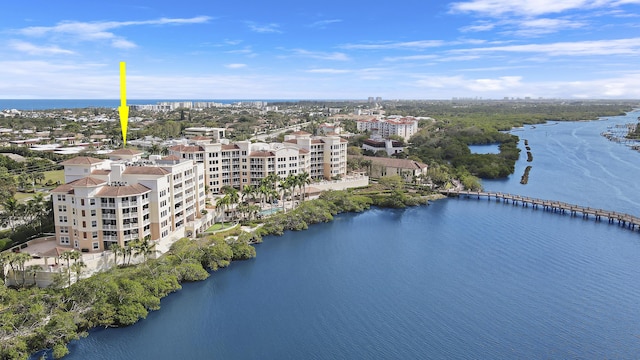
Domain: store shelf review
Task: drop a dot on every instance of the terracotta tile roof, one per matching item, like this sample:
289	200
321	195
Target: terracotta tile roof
171	158
292	141
304	151
317	141
64	188
187	148
230	147
125	152
200	138
100	172
126	190
262	153
145	170
87	182
81	160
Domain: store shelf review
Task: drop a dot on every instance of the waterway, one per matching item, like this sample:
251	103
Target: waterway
459	279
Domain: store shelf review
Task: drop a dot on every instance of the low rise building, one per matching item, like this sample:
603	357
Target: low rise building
408	169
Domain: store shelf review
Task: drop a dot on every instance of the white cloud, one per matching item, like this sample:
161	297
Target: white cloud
100	30
322	24
32	49
579	48
624	86
420	44
122	44
410	58
541	26
333	56
478	27
328	71
235	66
532	7
264	28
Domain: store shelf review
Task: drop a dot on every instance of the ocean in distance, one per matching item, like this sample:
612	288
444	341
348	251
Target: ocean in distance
45	104
459	279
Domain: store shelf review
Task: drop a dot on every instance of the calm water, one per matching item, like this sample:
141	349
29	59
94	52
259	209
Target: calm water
485	149
460	279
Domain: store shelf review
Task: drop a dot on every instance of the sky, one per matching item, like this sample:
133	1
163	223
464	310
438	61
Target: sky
406	49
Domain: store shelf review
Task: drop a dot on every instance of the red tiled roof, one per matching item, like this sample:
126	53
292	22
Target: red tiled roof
230	147
126	190
262	153
145	170
64	188
87	182
125	152
81	160
100	172
187	148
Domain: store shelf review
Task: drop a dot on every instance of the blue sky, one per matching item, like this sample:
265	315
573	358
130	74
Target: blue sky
321	50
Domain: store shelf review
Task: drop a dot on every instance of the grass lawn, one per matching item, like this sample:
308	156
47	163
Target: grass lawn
22	197
54	176
219	226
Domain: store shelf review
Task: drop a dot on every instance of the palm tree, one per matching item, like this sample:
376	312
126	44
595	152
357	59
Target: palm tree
145	248
20	259
77	268
223	203
127	251
117	250
155	149
33	271
67	256
303	179
36	209
285	185
13	212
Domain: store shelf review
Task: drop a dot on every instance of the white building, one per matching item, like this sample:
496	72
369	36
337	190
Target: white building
245	163
405	127
126	198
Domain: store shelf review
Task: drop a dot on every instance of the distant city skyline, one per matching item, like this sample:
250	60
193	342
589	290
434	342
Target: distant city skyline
489	49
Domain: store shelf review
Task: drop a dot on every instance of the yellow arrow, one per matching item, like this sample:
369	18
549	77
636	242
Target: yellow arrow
123	109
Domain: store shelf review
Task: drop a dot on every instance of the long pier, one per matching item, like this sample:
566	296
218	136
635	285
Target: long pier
625	220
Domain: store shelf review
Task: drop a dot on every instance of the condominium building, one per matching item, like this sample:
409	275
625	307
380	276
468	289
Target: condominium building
125	198
245	163
405	127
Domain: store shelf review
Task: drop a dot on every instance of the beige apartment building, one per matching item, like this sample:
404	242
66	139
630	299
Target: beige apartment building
244	163
125	198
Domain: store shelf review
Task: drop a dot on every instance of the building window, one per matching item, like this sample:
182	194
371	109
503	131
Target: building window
64	240
92	201
76	244
96	246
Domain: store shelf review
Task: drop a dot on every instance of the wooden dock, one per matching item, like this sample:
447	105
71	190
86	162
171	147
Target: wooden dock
625	220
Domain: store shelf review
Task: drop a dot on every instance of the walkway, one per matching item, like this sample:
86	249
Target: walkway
623	219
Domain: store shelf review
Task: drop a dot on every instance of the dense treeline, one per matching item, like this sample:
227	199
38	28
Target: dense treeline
32	319
445	140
